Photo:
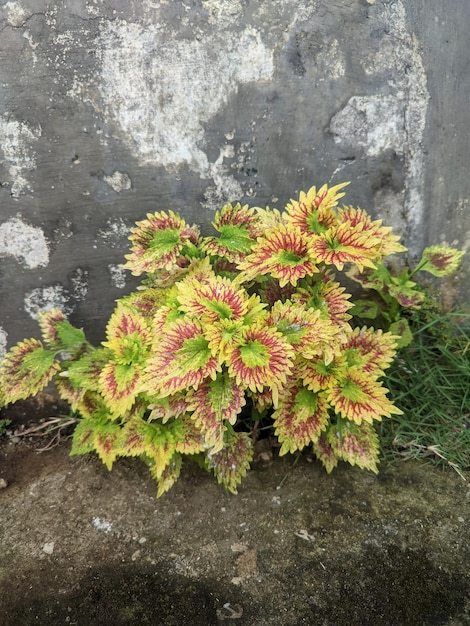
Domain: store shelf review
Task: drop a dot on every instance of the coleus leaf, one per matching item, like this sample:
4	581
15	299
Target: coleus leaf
96	435
189	438
369	349
26	369
359	219
314	212
181	359
159	450
300	418
119	385
214	402
127	336
325	453
145	302
365	309
346	244
158	241
358	397
407	293
318	375
238	227
284	253
231	463
328	297
169	475
263	359
84	372
356	444
58	333
218	299
168	407
440	260
402	332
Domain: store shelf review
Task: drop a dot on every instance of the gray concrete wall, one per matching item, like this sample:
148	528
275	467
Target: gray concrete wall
113	108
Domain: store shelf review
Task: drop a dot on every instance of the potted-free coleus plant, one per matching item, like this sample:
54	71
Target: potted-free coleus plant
250	322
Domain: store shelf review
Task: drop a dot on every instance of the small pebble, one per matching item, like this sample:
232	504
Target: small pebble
3	483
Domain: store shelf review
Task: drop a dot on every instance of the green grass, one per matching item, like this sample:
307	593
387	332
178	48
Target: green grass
429	381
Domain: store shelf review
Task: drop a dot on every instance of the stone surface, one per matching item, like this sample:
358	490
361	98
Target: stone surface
110	110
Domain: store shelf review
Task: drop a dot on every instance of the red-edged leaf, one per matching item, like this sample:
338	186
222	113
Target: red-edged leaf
325	453
119	386
233	461
127	336
283	253
314	211
180	360
356	444
58	333
346	244
358	397
158	241
26	369
263	359
371	350
300	418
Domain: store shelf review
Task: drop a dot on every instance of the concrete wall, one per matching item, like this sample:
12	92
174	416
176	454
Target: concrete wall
113	108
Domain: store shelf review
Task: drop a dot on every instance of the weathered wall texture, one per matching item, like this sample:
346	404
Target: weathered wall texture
112	109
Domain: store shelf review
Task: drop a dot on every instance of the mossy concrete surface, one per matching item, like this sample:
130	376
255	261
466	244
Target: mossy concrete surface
81	545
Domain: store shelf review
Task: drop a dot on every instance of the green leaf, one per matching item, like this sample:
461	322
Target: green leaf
84	373
367	309
26	369
83	437
402	331
58	333
235	237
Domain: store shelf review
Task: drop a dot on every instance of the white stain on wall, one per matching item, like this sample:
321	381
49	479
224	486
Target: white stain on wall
114	233
374	122
118	276
26	243
118	181
17	140
162	92
57	296
15	14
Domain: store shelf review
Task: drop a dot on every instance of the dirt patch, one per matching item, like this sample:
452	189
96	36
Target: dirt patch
81	545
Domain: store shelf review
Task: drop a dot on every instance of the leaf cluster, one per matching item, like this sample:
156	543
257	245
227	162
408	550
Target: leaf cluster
253	318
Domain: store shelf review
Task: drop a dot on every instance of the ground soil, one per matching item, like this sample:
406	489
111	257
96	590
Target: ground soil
81	545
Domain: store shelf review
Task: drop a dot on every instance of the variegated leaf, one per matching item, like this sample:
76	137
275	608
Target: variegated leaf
359	398
170	475
119	386
356	444
58	333
233	461
26	369
181	359
300	418
128	336
325	453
